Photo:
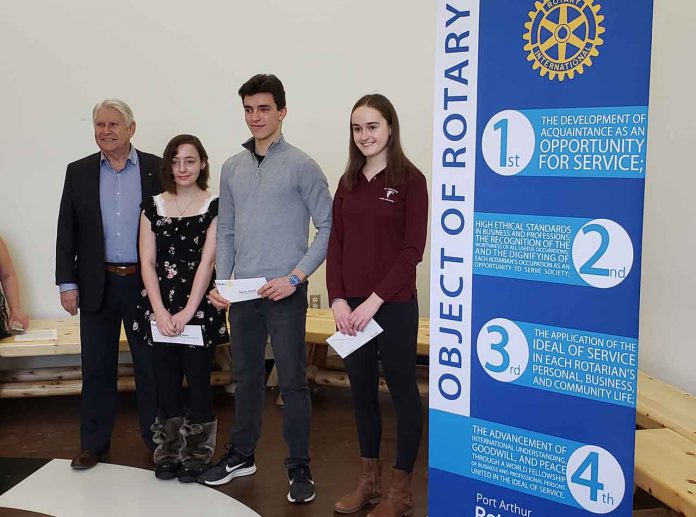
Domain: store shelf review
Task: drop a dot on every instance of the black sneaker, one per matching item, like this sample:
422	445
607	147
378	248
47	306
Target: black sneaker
301	484
231	465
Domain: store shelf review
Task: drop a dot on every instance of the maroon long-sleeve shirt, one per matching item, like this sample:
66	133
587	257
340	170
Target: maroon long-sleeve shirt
377	239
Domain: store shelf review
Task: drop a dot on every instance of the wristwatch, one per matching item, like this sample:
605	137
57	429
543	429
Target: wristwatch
294	280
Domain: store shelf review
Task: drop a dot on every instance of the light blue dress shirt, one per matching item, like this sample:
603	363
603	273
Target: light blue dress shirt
120	194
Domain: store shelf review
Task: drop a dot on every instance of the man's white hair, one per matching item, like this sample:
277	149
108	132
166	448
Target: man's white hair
117	104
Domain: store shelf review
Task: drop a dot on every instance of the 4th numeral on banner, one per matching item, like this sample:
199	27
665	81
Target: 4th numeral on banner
595	479
591	463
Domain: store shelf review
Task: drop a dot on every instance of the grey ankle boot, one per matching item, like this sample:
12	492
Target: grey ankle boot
169	441
198	449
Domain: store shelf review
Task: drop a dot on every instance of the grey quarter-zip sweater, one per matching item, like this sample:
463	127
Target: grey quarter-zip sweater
263	221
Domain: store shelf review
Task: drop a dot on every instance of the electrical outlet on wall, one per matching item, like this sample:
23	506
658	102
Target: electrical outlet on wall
315	301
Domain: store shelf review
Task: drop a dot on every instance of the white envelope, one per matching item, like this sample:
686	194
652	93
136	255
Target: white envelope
37	335
192	335
346	345
240	289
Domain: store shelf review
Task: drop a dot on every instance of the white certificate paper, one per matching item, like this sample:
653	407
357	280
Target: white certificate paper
346	345
191	336
240	289
38	335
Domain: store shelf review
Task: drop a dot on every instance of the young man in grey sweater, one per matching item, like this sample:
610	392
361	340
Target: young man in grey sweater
268	193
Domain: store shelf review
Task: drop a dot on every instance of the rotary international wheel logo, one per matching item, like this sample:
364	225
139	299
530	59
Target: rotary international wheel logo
563	36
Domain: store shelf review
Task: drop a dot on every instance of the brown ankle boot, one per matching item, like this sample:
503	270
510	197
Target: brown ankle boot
397	501
368	490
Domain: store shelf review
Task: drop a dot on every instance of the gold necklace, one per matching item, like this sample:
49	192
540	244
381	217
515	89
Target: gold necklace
176	202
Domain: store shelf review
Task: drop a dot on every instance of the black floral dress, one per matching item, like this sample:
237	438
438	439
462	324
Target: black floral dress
179	243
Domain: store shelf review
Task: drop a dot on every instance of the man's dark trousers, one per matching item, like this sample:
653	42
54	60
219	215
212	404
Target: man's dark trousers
99	334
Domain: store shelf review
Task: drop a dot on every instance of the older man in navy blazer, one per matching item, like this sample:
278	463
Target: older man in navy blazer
97	271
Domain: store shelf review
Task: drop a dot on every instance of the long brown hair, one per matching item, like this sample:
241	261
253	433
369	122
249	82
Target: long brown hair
399	168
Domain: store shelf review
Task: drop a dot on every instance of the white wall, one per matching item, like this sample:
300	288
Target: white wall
668	298
179	65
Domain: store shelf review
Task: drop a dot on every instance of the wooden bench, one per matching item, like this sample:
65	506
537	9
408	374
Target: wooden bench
51	381
665	467
666	446
661	405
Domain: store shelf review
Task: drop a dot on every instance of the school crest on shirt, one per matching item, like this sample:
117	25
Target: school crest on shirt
389	193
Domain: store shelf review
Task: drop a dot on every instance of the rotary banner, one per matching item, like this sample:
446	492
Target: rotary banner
539	165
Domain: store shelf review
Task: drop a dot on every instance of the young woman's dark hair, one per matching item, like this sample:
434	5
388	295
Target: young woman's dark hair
264	83
399	168
166	175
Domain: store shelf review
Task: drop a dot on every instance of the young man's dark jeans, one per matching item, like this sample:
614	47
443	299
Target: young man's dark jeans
251	323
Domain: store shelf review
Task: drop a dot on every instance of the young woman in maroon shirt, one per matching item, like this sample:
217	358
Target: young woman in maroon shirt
380	219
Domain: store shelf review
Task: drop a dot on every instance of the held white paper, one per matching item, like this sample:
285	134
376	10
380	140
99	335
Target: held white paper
38	335
240	289
192	335
346	345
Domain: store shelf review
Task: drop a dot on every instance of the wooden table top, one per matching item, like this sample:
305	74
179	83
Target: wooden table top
68	341
320	325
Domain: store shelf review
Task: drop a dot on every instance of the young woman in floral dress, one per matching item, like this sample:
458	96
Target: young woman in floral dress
177	253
